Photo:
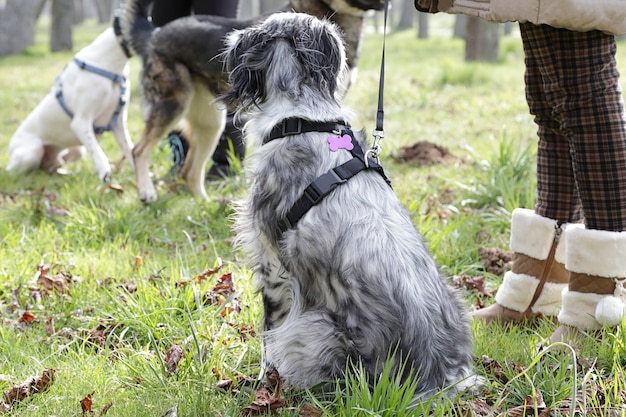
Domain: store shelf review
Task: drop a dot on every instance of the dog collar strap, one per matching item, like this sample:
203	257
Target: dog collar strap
117	29
326	183
296	126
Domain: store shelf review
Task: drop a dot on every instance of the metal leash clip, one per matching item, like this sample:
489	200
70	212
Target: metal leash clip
376	149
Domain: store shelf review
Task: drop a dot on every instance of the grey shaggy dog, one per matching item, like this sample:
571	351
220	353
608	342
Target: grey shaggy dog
352	280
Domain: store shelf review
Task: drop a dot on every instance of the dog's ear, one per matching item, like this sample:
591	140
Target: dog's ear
244	79
320	50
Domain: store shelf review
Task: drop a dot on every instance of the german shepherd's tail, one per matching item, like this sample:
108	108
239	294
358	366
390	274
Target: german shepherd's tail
136	25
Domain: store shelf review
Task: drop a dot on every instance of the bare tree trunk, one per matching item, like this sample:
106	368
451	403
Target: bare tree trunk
39	8
460	26
17	25
105	8
61	29
249	8
422	25
407	15
271	5
508	28
483	40
79	12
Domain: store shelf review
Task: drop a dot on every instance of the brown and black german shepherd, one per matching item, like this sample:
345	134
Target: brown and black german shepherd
182	75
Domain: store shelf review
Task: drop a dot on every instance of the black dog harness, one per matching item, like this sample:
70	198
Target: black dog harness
327	182
116	78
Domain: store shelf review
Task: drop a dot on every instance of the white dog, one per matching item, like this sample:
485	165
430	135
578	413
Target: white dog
88	98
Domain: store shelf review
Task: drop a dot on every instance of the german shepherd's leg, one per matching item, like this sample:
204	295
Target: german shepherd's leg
206	119
166	93
141	155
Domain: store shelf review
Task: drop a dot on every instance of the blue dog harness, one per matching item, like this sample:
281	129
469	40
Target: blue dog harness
116	78
327	182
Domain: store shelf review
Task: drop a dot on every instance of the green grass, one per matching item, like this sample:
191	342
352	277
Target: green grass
133	289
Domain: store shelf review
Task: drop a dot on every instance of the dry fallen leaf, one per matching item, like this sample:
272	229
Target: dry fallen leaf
31	386
530	406
308	410
49	326
116	187
86	403
225	285
494	368
209	272
173	355
26	318
476	283
265	401
106	408
53	282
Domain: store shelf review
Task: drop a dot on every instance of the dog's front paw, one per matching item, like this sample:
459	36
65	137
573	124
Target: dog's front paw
105	177
147	193
104	171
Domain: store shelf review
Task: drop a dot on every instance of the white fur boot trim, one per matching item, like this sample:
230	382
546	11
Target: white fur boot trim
516	291
531	234
579	310
596	252
611	310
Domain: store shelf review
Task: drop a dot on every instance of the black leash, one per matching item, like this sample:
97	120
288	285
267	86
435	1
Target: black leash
379	132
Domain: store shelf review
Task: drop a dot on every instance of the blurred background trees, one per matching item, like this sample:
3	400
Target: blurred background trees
18	19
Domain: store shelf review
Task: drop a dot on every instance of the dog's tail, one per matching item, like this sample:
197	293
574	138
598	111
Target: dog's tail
136	25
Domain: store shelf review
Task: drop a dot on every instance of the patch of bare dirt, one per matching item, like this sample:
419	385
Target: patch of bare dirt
425	154
496	261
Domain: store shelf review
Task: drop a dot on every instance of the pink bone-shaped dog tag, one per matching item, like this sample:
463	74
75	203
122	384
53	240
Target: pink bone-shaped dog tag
340	142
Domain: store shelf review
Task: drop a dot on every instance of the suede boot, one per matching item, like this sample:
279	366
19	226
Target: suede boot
534	286
595	296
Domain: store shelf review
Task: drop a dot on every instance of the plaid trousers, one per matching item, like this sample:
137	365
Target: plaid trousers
573	90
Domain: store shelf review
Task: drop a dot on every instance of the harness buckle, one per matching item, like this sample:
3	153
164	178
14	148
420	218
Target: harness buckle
287	130
324	184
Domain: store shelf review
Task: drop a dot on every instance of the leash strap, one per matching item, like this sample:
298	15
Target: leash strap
119	79
296	126
327	182
379	132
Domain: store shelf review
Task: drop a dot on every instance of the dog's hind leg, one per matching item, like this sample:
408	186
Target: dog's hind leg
206	119
52	159
166	94
73	154
26	154
141	157
306	349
